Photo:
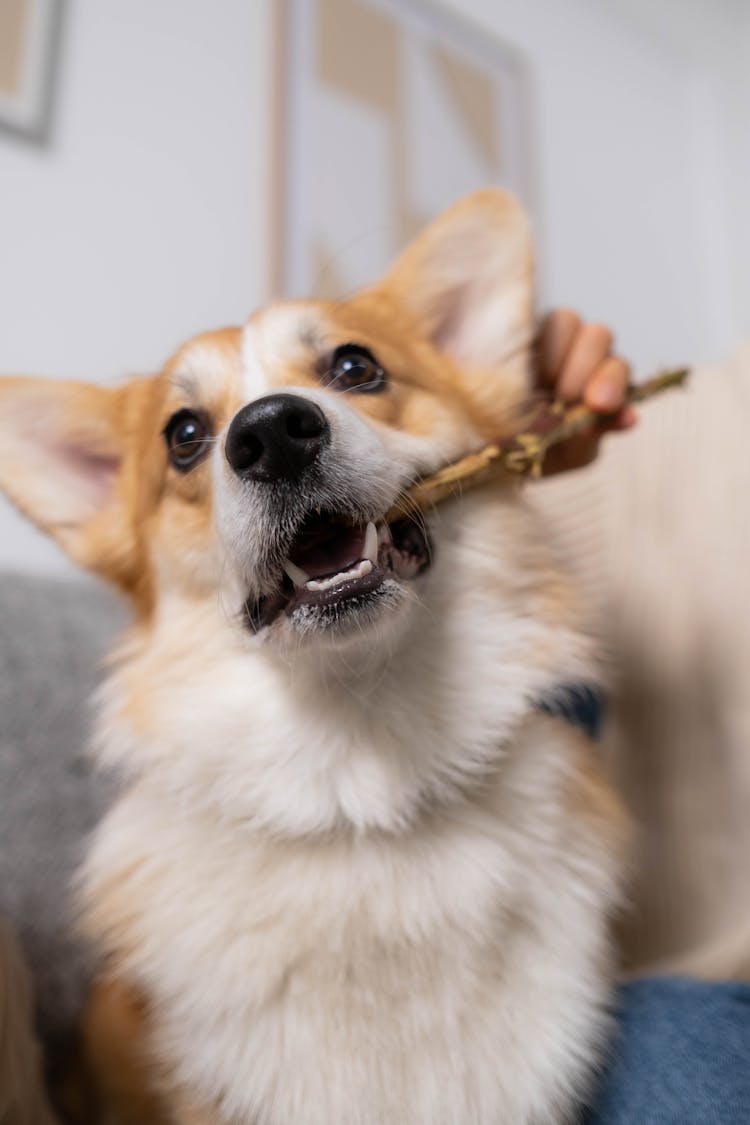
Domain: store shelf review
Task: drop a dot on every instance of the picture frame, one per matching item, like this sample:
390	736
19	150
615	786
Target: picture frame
378	140
29	31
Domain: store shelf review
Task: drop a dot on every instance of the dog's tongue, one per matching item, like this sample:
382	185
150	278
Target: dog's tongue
328	550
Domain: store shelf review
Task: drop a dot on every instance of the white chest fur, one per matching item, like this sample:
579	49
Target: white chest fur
453	974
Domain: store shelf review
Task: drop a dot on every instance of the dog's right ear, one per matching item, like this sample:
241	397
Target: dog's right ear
62	450
468	280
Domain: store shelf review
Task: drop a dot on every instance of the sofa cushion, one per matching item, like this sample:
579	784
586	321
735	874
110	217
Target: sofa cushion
53	634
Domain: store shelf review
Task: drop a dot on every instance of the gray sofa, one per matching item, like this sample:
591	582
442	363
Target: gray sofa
53	634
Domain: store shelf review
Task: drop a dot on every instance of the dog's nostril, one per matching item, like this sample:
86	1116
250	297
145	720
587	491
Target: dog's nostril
246	452
276	438
309	424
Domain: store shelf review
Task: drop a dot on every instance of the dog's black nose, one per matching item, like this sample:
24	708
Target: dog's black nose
275	438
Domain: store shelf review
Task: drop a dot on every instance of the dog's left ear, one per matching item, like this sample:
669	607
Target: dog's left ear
468	279
62	451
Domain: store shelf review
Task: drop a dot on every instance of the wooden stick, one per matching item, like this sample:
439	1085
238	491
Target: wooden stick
525	452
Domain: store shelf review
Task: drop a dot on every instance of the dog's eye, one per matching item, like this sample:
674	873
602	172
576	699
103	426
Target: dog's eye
187	437
354	368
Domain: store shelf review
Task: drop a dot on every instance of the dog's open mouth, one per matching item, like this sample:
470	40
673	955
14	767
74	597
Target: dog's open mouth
333	565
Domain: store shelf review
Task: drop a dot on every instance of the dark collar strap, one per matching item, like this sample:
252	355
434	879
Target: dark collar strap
582	705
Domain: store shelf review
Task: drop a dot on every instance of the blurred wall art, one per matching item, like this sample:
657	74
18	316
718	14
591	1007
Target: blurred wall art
389	113
28	48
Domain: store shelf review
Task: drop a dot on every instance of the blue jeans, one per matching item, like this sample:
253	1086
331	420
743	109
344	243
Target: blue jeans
681	1057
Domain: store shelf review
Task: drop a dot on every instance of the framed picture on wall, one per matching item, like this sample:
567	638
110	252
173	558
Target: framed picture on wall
390	110
28	30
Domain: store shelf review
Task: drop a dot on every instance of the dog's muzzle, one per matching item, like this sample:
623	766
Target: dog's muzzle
329	562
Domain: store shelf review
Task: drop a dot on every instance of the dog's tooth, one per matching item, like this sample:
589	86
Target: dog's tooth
384	534
371	543
297	575
353	572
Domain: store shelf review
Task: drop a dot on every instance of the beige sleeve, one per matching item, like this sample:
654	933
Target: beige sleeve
658	532
22	1097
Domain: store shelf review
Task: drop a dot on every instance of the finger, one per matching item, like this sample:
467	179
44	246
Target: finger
605	391
627	418
559	330
590	349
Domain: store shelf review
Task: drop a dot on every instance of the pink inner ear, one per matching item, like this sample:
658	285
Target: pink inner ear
91	474
447	334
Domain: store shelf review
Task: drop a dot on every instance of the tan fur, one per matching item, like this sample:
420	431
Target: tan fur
22	1097
117	1049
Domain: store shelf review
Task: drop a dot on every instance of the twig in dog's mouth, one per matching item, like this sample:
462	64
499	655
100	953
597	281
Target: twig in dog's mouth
523	453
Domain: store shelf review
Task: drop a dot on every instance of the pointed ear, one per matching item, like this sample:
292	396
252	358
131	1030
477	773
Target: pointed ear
468	280
61	452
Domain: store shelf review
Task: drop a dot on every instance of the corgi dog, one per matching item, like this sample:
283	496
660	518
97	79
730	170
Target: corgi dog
358	872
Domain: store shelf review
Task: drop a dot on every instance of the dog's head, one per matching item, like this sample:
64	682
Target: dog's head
260	463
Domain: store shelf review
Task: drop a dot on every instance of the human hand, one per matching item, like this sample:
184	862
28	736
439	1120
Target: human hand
577	365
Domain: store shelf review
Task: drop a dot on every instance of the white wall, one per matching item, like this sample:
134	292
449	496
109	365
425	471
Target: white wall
146	219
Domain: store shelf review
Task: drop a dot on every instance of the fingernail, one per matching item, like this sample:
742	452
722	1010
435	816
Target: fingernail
605	398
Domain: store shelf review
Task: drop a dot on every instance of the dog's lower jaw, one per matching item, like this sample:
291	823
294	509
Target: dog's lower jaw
348	620
356	620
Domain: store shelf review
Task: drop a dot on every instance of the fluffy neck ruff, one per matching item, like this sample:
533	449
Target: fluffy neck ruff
301	743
